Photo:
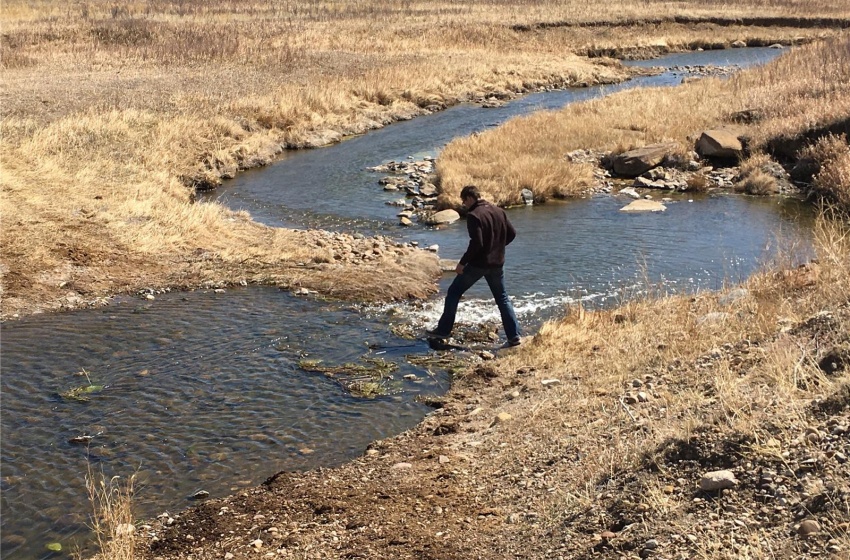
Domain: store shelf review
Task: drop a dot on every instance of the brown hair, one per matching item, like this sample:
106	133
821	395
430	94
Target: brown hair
470	191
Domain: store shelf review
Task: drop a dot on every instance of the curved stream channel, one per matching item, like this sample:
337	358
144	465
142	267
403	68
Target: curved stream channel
203	390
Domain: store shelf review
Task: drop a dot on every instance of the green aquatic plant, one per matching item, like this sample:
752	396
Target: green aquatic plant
82	393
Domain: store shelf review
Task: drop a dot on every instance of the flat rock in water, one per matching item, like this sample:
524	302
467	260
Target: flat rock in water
644	206
629	191
443	217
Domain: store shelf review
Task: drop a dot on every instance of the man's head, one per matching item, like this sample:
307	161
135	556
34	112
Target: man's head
469	195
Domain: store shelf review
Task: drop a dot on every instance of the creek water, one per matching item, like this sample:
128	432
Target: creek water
204	390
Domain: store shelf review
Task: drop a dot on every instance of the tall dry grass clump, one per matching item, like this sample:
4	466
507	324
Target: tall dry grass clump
830	156
753	179
112	518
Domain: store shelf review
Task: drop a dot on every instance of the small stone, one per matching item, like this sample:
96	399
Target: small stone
608	535
228	556
443	459
548	382
258	544
501	418
717	480
651	544
149	296
400	466
808	527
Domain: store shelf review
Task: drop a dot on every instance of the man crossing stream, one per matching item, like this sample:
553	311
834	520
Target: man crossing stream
490	232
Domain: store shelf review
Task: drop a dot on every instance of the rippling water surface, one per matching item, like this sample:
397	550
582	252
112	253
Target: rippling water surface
203	390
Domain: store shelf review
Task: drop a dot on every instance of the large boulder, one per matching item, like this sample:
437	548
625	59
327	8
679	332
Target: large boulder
640	160
720	143
442	217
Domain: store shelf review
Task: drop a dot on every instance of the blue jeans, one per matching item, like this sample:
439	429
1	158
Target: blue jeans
496	280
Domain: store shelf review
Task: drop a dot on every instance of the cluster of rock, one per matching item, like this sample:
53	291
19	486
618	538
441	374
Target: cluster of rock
706	70
660	167
414	178
353	248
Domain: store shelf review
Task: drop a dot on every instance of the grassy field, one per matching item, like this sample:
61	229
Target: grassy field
113	114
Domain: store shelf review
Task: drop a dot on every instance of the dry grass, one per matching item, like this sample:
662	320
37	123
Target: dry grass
796	96
831	181
113	113
112	518
744	376
753	179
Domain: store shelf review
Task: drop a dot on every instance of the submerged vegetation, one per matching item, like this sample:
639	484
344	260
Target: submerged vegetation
368	379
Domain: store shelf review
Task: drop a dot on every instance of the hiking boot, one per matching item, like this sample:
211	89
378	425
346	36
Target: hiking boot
434	333
516	341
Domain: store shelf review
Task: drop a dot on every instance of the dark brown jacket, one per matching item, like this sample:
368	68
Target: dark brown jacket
489	232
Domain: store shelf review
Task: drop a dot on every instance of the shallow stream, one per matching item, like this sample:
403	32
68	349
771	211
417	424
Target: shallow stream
203	391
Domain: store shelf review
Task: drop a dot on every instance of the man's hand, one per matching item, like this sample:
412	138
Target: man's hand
459	269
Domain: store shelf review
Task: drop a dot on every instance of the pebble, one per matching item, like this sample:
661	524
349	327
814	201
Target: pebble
501	418
717	480
548	382
399	466
808	527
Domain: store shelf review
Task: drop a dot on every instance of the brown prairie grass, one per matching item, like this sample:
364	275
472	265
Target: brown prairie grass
700	379
801	93
113	113
831	181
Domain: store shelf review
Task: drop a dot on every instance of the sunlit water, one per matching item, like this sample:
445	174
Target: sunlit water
203	391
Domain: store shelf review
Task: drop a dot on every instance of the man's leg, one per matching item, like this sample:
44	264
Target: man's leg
496	280
460	284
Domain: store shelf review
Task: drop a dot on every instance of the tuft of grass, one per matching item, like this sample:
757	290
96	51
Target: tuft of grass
112	520
831	180
698	183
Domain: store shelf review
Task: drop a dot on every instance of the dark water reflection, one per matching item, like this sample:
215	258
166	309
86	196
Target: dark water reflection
203	390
